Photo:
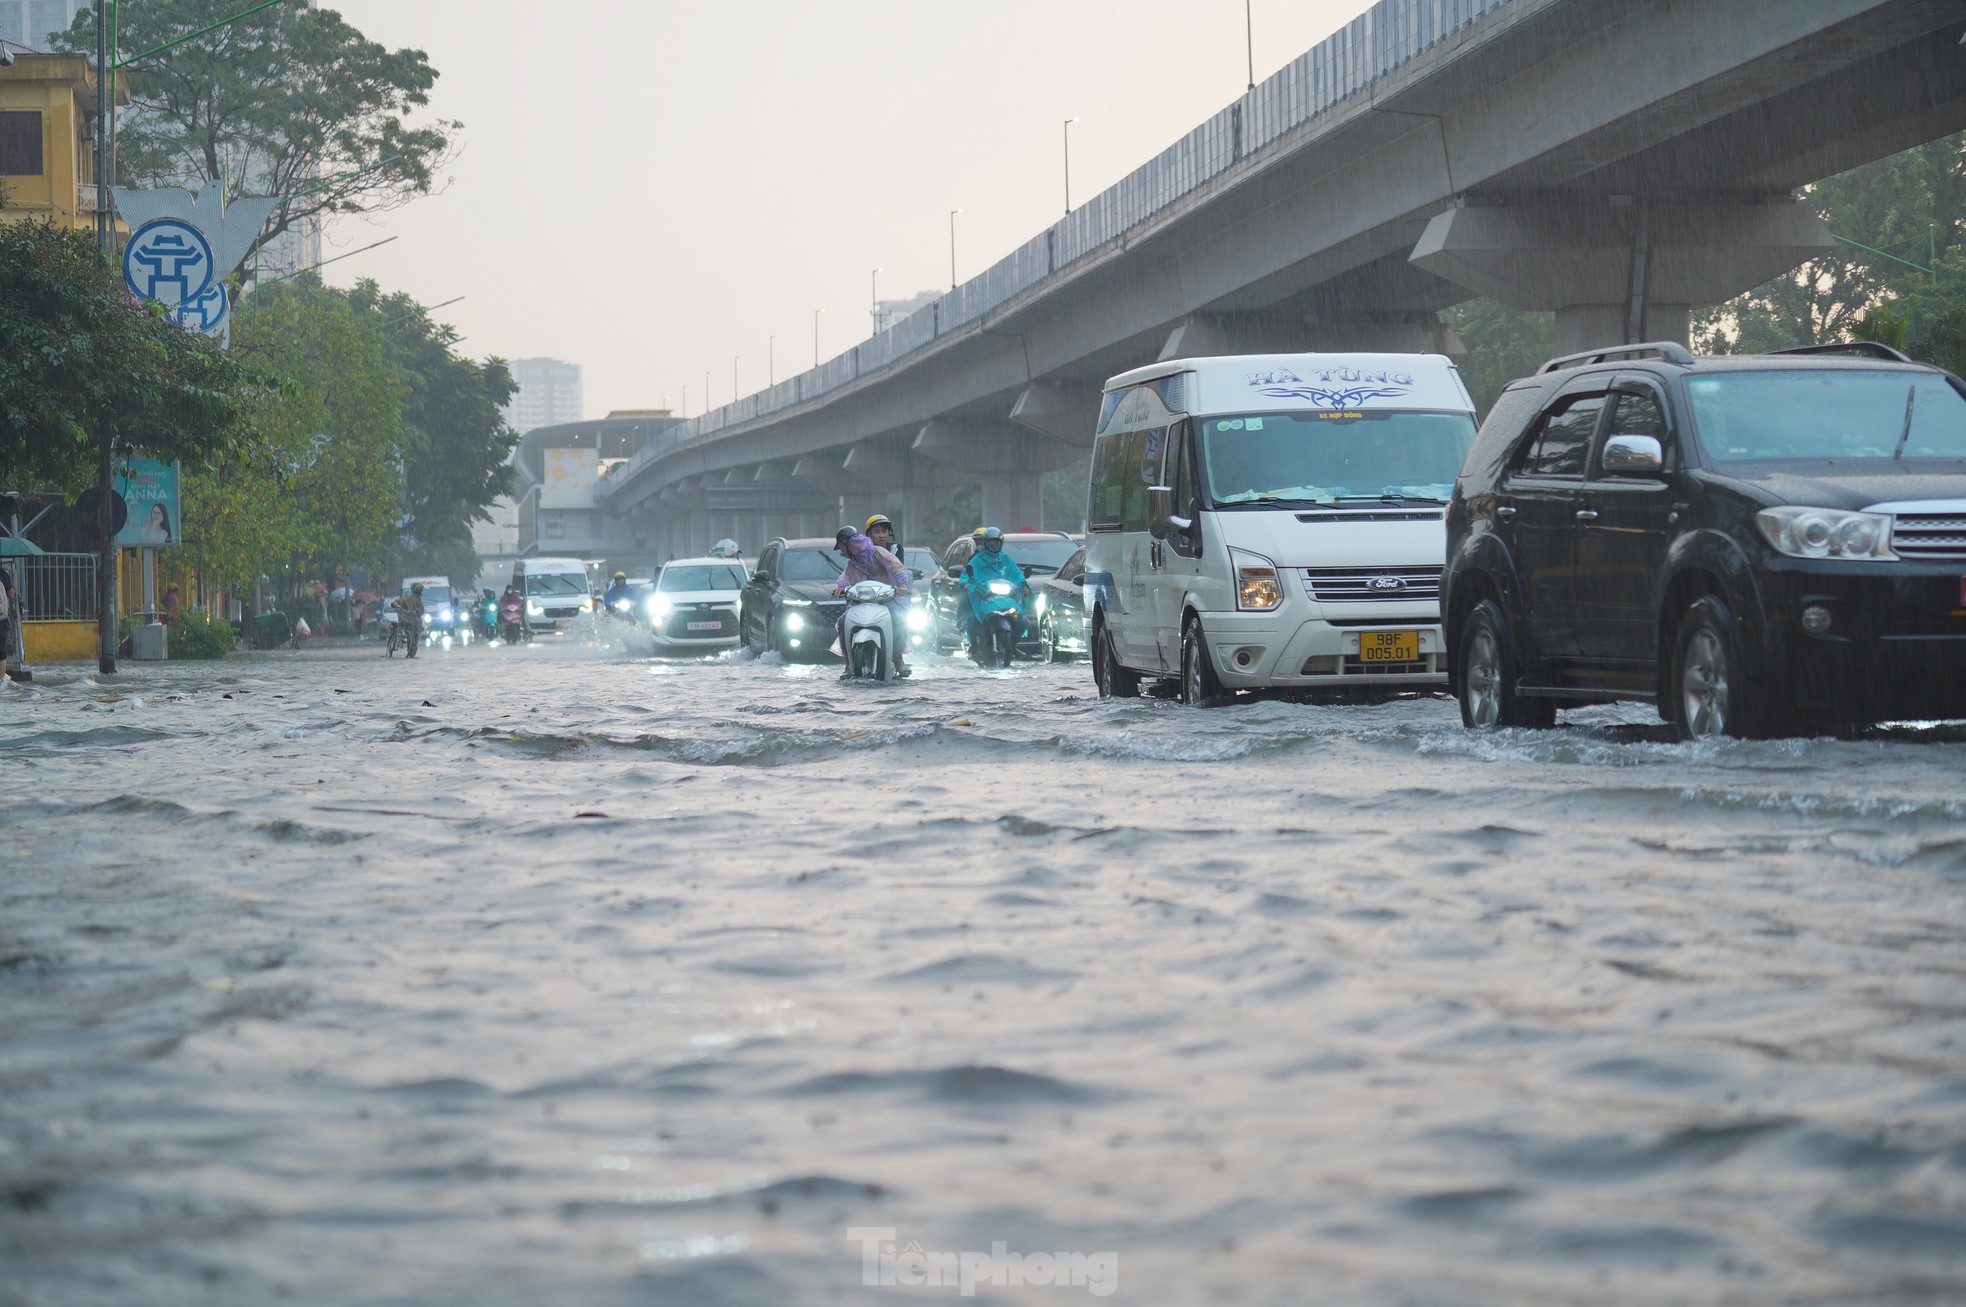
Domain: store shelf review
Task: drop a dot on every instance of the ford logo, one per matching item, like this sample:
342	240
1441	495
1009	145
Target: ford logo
1386	583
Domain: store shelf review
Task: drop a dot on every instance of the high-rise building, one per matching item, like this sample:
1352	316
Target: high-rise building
32	22
549	394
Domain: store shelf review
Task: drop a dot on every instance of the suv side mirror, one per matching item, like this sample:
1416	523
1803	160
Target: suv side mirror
1633	456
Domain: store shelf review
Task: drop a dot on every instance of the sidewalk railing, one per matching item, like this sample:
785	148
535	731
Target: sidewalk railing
56	586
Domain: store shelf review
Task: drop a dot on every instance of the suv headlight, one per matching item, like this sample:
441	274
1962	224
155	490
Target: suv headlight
1258	586
1826	532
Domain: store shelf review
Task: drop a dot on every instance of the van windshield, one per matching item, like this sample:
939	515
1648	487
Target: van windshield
1326	457
549	583
1842	413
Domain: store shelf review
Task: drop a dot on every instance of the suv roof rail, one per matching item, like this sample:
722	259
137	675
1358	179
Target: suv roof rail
1867	348
1670	350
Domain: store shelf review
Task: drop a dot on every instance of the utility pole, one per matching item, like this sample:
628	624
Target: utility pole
952	247
106	578
771	361
874	298
815	336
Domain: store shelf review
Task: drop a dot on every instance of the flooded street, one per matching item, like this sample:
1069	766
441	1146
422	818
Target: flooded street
534	975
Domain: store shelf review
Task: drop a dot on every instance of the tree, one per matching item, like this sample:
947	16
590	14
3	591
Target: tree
1910	205
456	438
80	358
1502	344
288	100
315	482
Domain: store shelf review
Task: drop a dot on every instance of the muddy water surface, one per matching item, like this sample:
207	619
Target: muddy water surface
561	975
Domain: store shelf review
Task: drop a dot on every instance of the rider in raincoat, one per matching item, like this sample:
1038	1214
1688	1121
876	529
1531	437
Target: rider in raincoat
867	561
990	563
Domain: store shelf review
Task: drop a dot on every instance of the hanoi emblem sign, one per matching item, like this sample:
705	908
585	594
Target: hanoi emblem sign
170	261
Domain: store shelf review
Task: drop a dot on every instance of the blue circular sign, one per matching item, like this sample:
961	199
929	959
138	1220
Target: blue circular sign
206	313
170	261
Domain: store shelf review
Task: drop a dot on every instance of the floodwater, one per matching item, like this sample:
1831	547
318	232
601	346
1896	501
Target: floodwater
562	975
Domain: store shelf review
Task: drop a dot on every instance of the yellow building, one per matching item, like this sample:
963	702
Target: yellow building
48	138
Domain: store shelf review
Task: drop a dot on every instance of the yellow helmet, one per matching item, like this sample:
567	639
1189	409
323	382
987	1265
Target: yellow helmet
878	519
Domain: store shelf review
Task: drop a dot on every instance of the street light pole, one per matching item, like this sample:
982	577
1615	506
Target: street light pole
1068	163
1249	37
815	336
874	300
952	247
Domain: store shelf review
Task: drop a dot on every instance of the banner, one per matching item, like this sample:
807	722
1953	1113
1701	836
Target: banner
150	490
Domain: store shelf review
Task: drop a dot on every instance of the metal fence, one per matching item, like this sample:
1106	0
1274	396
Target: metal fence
1323	79
56	585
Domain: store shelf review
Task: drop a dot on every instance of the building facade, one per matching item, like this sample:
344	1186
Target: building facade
548	394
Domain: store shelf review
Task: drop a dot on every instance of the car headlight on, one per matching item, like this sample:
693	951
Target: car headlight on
794	622
1826	532
917	620
587	604
1037	606
1258	587
534	610
657	608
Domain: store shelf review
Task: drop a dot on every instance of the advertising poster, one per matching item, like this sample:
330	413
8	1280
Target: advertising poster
149	488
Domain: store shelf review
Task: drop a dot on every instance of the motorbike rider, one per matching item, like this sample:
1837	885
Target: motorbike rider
512	613
488	612
619	592
880	529
409	614
990	563
867	561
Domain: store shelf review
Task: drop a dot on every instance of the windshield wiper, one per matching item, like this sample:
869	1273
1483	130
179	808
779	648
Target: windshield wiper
1393	497
1911	398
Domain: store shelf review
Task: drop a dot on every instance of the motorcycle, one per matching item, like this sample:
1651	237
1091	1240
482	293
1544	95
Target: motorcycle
512	621
488	617
867	633
998	627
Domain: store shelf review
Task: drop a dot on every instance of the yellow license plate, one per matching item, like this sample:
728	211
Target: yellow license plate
1389	646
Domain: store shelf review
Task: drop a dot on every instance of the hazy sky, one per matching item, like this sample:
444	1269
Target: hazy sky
649	187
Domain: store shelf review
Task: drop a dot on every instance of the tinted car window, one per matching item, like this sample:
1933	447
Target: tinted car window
812	565
1563	443
1046	554
958	555
1638	415
1074	568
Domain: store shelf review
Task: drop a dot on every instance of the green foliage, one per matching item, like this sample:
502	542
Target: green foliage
961	511
456	437
197	634
277	103
79	357
315	474
1065	495
1910	205
1502	345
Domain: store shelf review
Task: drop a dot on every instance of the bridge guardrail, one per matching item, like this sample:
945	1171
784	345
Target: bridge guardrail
1380	40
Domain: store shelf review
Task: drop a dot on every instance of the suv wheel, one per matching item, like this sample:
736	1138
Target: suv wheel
1711	695
1200	687
1113	680
1487	670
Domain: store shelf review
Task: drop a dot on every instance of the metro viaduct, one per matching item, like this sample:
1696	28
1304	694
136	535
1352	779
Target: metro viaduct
1617	161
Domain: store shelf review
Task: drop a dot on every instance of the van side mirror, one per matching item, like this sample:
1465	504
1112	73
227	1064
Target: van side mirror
1160	509
1628	455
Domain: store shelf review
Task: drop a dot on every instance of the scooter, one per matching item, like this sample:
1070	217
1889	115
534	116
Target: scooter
998	628
867	632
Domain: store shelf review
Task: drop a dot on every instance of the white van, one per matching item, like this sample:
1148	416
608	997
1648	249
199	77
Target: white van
1273	522
556	591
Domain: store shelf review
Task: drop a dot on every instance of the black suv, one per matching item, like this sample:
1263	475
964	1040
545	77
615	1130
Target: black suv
1758	544
788	604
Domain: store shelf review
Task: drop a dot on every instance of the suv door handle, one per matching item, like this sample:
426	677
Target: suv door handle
1505	510
1587	515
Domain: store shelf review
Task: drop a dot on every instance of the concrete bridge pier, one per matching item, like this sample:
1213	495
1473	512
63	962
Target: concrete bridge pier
1011	458
1619	270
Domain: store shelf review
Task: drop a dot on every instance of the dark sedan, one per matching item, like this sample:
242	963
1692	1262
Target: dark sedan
1037	554
788	603
1058	602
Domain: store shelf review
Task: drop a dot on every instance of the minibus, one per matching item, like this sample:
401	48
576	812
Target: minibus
1273	522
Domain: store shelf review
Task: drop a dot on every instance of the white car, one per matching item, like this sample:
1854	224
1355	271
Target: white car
694	604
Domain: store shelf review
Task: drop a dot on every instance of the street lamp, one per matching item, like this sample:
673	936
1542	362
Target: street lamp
1249	37
815	336
1068	163
874	293
952	247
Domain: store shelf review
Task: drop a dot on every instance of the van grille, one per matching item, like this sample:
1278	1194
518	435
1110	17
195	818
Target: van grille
1375	585
1930	535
